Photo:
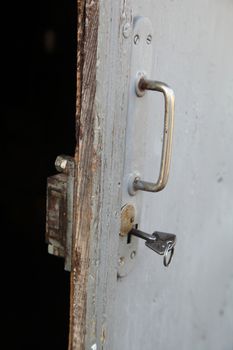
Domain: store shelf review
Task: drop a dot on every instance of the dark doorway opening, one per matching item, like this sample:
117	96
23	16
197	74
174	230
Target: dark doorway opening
38	115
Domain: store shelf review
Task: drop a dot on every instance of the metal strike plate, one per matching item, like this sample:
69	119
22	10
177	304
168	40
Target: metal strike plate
60	210
56	214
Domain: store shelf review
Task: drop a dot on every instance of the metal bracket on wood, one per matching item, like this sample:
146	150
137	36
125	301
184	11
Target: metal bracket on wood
59	216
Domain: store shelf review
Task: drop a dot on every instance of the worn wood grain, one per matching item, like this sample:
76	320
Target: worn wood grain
85	158
103	59
80	59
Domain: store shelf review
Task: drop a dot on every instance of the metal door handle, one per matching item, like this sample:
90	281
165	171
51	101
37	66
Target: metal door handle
142	85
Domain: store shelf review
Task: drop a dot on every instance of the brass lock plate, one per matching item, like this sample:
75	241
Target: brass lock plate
127	219
128	244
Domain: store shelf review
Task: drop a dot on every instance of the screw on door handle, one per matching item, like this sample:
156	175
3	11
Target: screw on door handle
143	84
160	242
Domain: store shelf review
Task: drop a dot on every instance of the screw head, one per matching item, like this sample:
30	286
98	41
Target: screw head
136	39
121	261
61	163
132	219
149	39
126	30
133	254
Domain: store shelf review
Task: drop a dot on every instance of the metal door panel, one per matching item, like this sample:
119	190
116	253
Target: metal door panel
188	305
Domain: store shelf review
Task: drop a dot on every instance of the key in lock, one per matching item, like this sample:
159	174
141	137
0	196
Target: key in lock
160	242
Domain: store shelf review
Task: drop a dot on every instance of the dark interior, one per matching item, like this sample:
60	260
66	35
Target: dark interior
39	86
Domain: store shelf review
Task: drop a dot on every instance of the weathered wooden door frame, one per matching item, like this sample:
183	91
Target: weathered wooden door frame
104	30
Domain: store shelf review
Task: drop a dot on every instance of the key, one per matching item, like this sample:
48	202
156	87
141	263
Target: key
160	242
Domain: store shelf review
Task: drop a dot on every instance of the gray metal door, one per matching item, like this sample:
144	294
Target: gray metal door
122	296
188	305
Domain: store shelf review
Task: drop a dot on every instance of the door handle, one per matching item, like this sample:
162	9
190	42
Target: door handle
143	84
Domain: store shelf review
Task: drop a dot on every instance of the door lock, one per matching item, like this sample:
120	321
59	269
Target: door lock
59	216
160	242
